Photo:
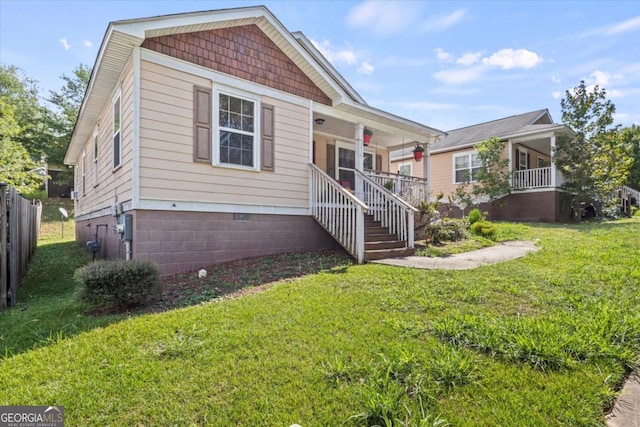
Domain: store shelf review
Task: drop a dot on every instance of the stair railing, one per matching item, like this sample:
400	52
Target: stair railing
392	211
338	211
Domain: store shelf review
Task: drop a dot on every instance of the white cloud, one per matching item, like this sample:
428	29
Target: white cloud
87	43
65	45
602	79
556	94
384	18
336	56
455	77
444	22
625	26
442	55
469	58
510	58
556	79
366	68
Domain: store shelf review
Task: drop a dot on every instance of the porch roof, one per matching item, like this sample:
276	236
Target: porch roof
502	128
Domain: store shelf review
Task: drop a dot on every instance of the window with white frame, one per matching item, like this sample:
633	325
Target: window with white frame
237	130
522	160
405	169
117	133
95	158
84	173
466	167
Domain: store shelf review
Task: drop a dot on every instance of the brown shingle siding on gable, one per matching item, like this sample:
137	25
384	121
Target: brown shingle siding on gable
244	52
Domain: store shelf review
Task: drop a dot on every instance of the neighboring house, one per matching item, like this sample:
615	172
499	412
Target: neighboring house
211	136
536	183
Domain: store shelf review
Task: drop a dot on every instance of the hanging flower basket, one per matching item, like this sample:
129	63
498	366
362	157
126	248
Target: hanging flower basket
418	152
366	136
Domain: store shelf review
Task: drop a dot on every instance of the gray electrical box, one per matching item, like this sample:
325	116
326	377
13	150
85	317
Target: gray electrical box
128	227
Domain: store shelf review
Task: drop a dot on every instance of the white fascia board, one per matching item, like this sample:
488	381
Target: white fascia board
541	133
140	27
378	119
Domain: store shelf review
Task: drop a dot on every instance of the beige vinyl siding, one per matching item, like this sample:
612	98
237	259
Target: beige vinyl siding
534	155
111	184
321	152
441	175
417	168
167	170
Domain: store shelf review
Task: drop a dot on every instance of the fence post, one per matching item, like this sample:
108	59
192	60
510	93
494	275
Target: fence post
3	245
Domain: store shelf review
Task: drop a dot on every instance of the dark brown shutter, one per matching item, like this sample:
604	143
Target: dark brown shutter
378	163
517	165
528	160
331	160
267	138
202	124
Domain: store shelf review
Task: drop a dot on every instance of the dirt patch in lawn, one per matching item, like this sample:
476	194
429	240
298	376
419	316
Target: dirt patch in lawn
236	278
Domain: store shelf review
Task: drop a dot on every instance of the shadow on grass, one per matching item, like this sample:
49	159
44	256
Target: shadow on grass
47	309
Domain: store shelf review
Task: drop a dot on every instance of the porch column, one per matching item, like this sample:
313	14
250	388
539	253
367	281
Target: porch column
510	148
551	162
359	159
426	168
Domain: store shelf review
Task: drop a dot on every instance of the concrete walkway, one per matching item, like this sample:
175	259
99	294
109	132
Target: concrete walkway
626	410
498	253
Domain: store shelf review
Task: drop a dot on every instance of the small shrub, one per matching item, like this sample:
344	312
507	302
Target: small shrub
475	215
633	211
446	231
485	229
120	283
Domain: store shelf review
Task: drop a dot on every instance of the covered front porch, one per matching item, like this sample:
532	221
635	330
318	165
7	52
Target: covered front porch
531	159
367	209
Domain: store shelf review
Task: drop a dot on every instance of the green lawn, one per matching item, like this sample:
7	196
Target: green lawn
540	341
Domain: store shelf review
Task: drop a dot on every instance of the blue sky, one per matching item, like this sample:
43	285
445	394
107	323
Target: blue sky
444	64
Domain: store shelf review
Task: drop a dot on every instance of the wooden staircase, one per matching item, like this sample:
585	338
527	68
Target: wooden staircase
380	244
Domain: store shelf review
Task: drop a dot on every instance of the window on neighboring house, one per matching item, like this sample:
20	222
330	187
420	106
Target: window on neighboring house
84	173
405	169
522	160
237	131
95	157
466	167
117	139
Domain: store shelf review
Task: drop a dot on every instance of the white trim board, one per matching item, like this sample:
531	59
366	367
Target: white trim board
191	206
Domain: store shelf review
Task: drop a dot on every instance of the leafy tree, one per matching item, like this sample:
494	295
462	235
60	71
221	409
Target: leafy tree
32	118
595	162
68	101
493	178
16	166
631	135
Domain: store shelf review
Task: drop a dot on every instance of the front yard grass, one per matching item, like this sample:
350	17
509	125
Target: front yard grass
539	341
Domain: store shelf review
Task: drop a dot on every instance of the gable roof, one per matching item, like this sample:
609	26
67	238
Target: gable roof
122	37
502	128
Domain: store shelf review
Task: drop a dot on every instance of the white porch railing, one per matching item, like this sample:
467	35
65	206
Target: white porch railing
411	188
391	210
629	194
531	178
338	211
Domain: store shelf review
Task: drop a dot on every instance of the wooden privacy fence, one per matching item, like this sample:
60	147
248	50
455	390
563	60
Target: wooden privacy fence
19	229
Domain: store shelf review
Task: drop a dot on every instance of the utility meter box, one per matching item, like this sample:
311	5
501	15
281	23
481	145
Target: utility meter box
128	227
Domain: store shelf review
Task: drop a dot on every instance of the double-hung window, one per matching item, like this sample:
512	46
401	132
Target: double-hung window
466	167
84	173
117	133
237	131
95	157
